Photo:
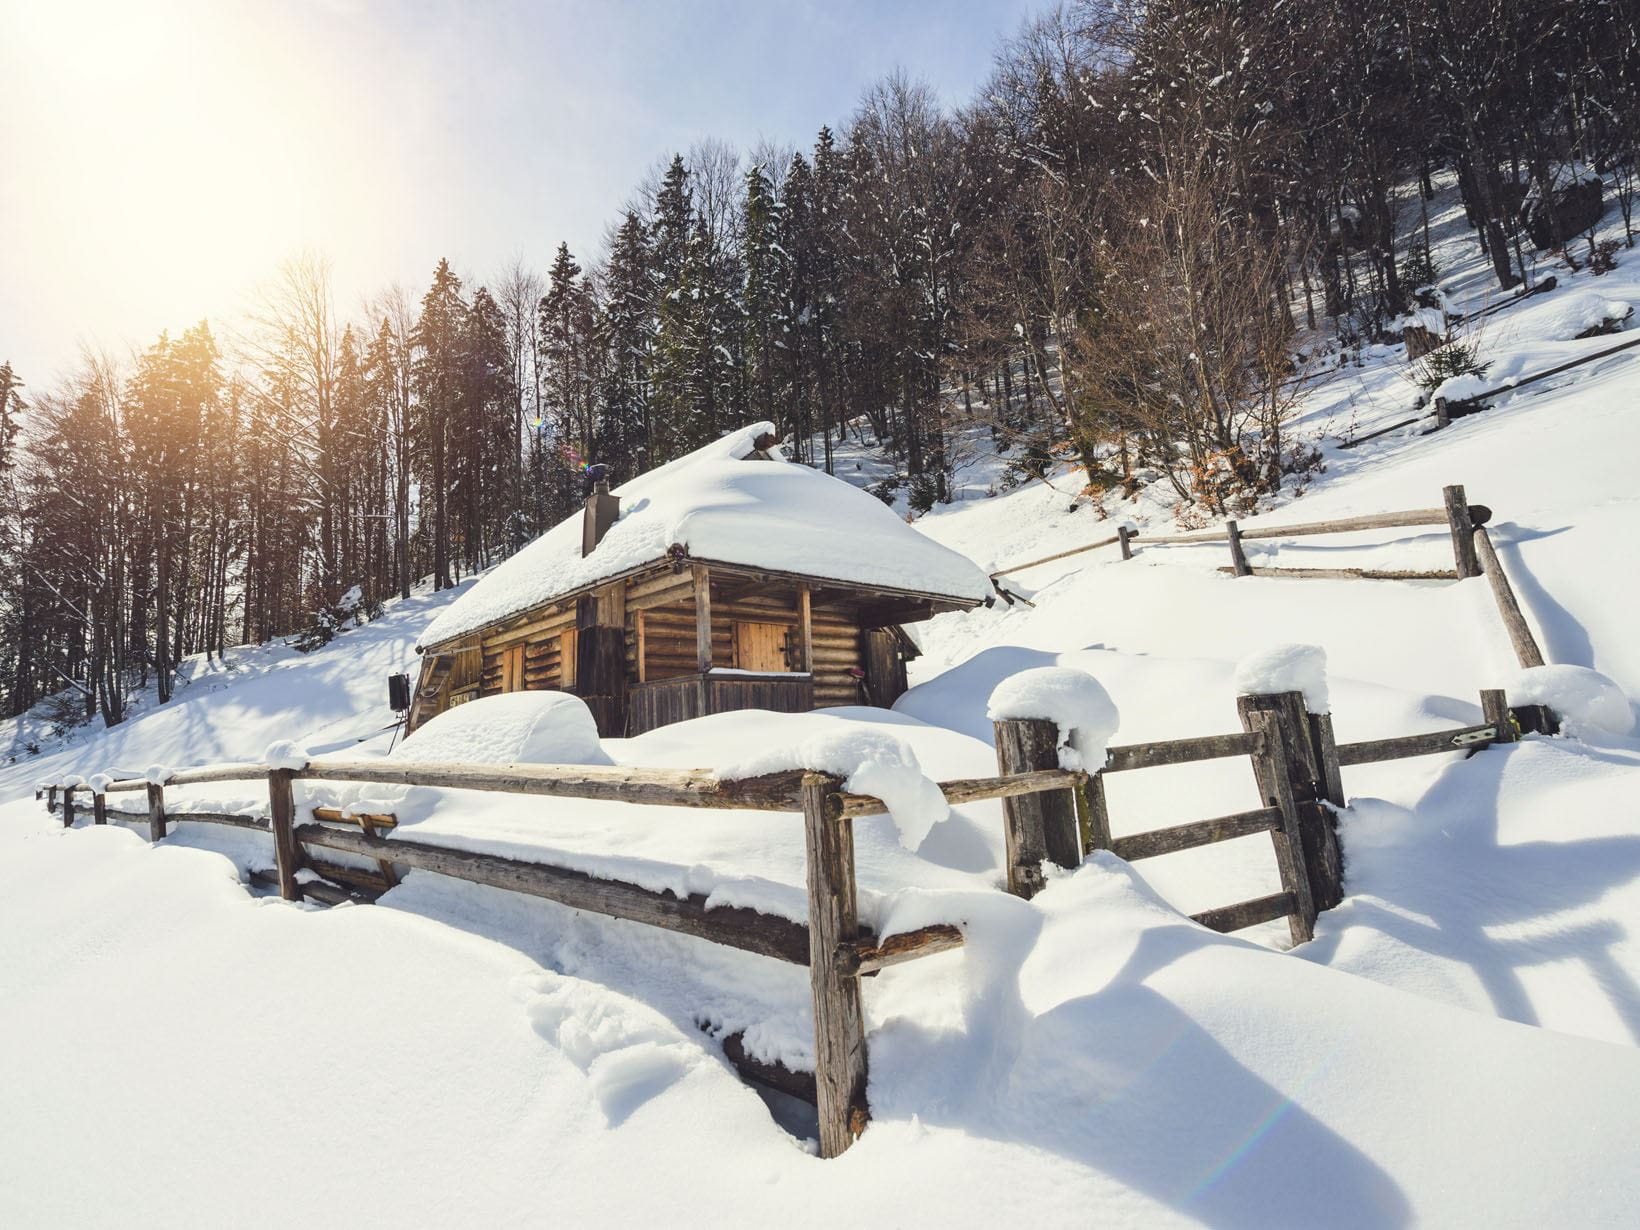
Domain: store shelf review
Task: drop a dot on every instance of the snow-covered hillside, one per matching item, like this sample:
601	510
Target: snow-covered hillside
1458	1045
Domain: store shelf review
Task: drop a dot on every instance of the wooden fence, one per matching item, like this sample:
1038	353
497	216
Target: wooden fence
1473	555
1051	815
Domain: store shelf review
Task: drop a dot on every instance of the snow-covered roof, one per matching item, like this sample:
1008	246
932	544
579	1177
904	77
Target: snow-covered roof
724	505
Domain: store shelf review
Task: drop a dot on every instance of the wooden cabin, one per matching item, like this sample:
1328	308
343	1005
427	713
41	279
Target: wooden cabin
729	579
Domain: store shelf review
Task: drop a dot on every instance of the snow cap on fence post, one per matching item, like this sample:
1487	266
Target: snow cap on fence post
1286	668
1586	702
100	782
1071	699
286	754
156	774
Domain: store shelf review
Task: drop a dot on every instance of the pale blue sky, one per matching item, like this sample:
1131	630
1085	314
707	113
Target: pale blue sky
162	156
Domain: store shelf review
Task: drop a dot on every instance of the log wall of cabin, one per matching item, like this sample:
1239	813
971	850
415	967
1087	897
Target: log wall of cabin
669	638
540	640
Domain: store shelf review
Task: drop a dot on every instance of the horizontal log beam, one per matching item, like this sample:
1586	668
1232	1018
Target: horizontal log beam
1347	525
733	926
1181	751
337	816
1353	574
1197	833
227	819
1371	751
313	890
974	789
1246	913
1048	559
776	1075
615	783
869	956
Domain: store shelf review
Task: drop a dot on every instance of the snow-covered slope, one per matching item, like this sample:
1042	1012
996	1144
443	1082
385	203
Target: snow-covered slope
1457	1046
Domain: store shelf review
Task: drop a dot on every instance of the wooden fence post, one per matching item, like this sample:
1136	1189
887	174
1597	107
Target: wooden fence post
68	807
1463	531
1330	776
1495	712
1123	534
156	812
1319	854
839	1021
99	807
287	854
1274	774
1098	812
1238	557
1525	644
1443	414
1038	826
51	798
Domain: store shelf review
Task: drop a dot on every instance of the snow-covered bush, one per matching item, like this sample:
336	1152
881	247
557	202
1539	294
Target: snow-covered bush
1071	699
1587	702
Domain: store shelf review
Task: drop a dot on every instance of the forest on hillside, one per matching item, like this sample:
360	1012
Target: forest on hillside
1118	253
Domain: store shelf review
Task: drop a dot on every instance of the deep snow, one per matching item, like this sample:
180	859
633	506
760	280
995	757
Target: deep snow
1456	1046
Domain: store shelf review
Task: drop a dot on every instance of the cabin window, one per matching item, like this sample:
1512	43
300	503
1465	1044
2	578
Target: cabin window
512	669
761	647
567	643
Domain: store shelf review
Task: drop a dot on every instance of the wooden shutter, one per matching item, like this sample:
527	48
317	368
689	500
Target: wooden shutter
512	669
568	642
761	647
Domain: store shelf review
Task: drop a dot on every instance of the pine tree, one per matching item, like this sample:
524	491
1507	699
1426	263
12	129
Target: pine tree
438	363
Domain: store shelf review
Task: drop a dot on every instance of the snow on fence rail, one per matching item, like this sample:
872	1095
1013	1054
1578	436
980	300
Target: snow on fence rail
1051	814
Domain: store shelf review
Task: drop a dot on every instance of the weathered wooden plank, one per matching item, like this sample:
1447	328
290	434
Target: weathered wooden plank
976	789
870	955
1525	644
1131	756
99	807
799	1085
372	820
68	807
1038	824
1330	782
1349	525
748	930
1048	559
287	854
226	819
703	617
1246	913
1096	831
1320	856
664	787
1495	709
156	811
1463	531
1351	574
839	1020
1371	751
313	890
1238	557
1274	776
805	629
1196	833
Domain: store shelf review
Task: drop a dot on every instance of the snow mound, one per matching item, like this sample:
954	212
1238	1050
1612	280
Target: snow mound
1576	314
869	762
1587	702
156	774
1286	668
721	504
1073	700
286	754
513	728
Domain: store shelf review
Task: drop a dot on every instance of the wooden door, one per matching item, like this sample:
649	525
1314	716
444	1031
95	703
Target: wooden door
761	647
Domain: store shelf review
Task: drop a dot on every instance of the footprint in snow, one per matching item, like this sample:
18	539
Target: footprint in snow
629	1054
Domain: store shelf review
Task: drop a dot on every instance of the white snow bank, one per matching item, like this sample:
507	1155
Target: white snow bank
513	728
1431	319
1465	387
286	754
720	507
869	762
1286	668
1578	313
1587	702
1071	699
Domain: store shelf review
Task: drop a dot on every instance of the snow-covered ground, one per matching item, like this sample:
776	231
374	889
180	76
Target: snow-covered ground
1458	1045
